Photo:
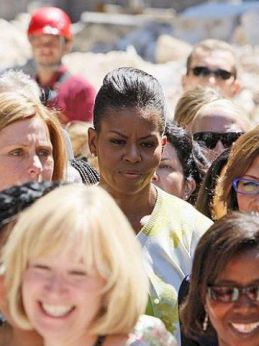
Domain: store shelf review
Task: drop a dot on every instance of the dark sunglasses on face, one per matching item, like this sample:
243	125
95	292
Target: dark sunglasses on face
210	139
246	186
204	72
230	294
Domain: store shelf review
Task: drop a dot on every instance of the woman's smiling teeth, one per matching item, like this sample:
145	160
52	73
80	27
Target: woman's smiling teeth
245	328
56	310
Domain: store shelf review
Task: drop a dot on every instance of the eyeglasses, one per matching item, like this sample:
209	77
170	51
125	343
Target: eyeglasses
230	294
246	186
210	139
205	72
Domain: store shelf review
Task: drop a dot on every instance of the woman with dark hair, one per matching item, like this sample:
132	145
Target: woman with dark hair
128	138
223	299
182	165
240	183
208	204
207	200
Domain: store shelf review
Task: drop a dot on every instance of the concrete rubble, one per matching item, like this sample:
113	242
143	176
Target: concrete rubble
157	47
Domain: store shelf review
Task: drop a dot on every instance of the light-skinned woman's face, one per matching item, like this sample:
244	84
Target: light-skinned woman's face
25	153
60	298
4	232
129	147
246	202
169	175
237	323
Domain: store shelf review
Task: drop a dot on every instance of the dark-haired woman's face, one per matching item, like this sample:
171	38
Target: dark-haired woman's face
129	147
169	175
237	322
250	202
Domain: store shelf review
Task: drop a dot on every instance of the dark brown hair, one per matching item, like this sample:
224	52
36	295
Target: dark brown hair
206	193
230	236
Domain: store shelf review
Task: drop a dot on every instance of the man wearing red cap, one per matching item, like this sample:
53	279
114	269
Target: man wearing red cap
50	35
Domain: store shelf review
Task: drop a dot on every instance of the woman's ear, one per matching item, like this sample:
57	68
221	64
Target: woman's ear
155	177
164	141
189	187
92	138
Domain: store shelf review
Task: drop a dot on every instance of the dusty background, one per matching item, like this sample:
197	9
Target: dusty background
156	40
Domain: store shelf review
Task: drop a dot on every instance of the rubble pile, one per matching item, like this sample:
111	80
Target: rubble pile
159	53
14	46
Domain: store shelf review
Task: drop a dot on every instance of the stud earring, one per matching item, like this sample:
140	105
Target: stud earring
186	195
205	322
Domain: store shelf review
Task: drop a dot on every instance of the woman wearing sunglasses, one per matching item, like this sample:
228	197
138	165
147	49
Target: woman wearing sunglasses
223	299
240	183
217	125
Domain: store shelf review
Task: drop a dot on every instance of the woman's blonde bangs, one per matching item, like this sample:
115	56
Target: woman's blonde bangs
87	216
14	107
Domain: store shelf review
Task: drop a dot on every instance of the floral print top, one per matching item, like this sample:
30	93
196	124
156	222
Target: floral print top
150	331
168	241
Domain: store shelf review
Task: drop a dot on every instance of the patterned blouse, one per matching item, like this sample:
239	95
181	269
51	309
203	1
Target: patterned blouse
168	240
150	331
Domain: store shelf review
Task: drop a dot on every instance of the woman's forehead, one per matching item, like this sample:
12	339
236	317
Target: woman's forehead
131	117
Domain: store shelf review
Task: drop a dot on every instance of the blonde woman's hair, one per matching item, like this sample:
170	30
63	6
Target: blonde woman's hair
88	216
223	105
15	106
78	134
190	102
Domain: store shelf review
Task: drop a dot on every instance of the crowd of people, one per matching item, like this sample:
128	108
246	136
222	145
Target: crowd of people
120	226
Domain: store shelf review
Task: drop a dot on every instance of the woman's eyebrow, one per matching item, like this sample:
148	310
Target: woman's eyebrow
236	283
251	176
118	133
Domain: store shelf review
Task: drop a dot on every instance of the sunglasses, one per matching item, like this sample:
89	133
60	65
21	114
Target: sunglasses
205	72
210	139
246	186
230	294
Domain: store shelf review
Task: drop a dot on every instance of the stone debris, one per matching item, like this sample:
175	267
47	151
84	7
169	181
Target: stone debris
14	46
153	41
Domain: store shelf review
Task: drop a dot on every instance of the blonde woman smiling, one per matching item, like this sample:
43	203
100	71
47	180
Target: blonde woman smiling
76	275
